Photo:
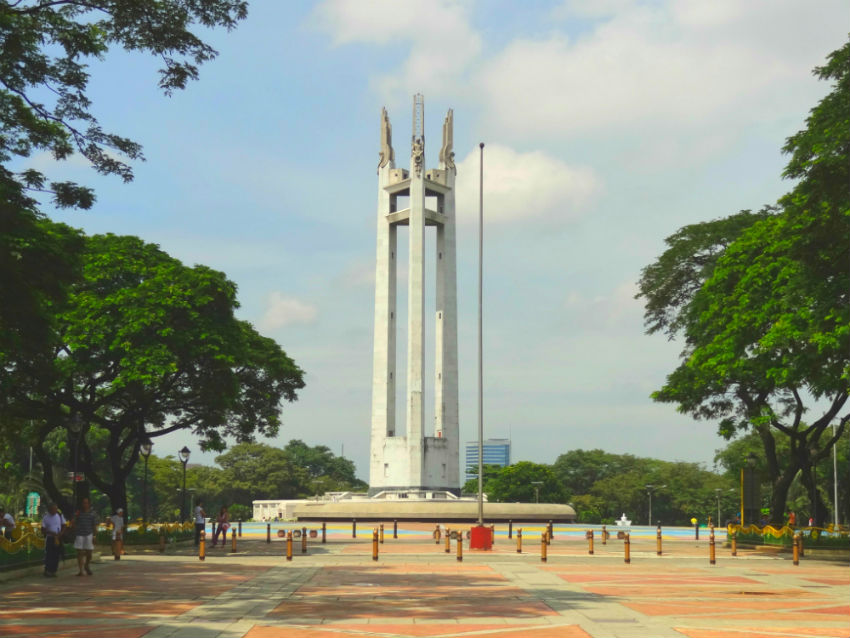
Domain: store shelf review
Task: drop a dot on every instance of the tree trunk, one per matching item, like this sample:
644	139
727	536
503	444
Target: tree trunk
817	508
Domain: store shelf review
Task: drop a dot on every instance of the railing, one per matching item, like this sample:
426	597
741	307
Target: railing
26	547
815	537
27	544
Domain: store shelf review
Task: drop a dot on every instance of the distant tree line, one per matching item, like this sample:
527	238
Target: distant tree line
246	472
602	486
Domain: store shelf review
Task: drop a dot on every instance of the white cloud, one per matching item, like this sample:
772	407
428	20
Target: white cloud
284	311
523	186
442	43
656	70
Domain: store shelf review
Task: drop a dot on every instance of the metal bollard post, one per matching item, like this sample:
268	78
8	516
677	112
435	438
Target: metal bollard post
232	541
604	535
324	532
395	529
436	534
240	529
448	541
381	537
303	540
202	546
268	532
289	545
696	530
353	528
627	548
589	535
796	548
658	541
711	555
734	542
375	544
519	541
510	529
543	547
460	546
161	539
550	532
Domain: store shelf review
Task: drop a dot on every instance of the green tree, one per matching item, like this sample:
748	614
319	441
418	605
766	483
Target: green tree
580	470
147	346
766	319
325	471
44	74
256	471
516	483
490	471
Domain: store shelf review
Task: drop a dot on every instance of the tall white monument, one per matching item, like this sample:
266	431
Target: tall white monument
415	462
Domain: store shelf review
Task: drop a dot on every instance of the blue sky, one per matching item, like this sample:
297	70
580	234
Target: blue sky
609	125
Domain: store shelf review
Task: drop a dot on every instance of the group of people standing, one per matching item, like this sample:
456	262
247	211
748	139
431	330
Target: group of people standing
83	529
220	525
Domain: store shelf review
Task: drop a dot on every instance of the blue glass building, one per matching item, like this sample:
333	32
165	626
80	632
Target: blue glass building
496	452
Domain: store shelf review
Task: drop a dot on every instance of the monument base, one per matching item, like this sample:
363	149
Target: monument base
480	537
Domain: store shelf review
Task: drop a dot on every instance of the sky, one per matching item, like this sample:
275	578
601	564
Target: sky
608	125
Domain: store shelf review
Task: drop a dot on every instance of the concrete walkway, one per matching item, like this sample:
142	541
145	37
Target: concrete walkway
415	588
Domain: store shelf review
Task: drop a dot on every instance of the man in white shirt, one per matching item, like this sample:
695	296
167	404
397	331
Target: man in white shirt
200	521
117	520
7	522
51	527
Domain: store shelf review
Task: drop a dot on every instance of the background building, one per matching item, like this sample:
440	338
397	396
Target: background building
496	452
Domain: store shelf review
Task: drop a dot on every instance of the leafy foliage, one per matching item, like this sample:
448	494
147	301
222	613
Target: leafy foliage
44	106
764	307
147	346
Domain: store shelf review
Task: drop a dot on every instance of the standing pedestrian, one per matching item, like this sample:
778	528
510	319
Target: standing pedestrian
85	525
200	521
222	527
7	522
117	520
51	528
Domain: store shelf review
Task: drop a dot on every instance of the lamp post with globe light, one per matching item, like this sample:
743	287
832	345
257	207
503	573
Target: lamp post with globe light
145	450
184	459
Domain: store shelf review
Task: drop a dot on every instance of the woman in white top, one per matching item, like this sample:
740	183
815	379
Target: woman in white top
51	527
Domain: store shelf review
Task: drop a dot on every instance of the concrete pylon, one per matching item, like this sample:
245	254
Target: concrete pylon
415	462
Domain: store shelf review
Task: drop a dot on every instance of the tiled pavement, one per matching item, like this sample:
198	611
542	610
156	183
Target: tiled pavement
416	589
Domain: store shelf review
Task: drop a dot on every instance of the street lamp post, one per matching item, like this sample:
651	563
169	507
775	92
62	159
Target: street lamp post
717	491
184	459
649	490
145	449
749	499
537	485
76	426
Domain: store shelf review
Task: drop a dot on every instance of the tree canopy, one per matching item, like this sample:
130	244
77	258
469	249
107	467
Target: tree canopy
44	75
146	346
762	303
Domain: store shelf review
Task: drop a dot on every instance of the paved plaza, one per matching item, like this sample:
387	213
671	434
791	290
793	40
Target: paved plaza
336	590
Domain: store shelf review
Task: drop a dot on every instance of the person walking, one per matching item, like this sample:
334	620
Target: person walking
51	528
85	524
7	522
223	524
200	521
117	520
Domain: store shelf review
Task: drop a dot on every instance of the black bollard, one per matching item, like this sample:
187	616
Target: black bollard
240	529
324	532
395	529
353	528
510	529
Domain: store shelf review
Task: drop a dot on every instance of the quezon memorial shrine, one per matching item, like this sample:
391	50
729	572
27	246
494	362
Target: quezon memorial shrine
414	474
